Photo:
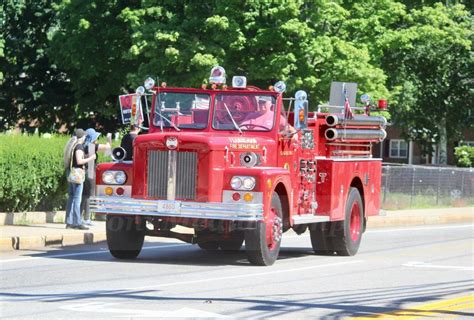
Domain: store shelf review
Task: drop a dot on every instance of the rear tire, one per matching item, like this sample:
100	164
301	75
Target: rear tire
320	238
234	243
125	237
204	243
348	235
263	243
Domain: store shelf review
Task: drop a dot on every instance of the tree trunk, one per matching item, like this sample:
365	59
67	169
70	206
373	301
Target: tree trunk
443	142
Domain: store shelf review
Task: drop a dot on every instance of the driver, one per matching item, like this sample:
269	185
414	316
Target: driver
264	115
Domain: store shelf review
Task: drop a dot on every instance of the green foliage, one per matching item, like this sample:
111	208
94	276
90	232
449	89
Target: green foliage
34	92
430	65
32	173
464	156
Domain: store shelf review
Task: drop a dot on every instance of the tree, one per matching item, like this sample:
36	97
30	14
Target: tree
307	44
92	44
430	65
34	92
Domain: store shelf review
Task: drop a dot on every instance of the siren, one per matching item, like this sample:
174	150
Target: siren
118	154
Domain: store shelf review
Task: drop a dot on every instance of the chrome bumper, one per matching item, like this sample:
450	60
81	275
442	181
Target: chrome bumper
178	209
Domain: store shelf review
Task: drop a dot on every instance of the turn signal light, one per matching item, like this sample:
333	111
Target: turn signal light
248	197
109	191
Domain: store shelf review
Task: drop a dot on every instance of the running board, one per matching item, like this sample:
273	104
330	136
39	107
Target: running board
309	218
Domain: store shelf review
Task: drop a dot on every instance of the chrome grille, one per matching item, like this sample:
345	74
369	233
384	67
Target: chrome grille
184	180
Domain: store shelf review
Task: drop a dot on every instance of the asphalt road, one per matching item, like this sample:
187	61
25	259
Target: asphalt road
403	273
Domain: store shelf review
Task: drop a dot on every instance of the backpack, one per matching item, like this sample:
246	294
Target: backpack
68	149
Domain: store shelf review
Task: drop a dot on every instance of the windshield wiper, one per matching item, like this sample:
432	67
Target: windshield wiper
232	118
168	120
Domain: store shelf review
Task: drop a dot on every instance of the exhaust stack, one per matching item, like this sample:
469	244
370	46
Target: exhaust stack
332	134
333	120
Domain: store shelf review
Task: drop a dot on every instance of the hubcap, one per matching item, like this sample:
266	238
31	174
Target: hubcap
274	229
355	222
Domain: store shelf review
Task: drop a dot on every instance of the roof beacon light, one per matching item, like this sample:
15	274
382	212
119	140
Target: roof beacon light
383	104
149	83
239	82
301	95
217	76
365	98
280	86
140	90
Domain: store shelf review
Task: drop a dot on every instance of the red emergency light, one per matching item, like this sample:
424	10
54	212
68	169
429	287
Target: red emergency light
383	104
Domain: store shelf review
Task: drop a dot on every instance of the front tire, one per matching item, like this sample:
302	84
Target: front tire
263	243
125	237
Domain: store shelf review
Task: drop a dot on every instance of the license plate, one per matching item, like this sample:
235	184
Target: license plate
169	206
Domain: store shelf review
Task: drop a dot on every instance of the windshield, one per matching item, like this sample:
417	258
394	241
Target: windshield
182	110
244	112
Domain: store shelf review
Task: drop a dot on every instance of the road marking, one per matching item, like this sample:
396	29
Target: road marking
417	264
433	308
248	275
427	228
107	308
87	253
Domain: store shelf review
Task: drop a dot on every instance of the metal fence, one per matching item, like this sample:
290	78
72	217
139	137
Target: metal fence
406	187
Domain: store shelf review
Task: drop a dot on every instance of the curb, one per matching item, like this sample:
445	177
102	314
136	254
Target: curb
39	242
412	220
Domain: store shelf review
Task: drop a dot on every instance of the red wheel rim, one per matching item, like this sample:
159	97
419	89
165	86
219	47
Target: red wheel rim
273	229
355	221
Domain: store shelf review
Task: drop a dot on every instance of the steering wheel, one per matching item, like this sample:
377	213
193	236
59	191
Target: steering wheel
252	126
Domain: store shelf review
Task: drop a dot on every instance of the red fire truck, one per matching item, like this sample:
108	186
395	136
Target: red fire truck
238	163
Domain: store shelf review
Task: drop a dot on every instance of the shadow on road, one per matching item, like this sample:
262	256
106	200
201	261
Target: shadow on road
348	303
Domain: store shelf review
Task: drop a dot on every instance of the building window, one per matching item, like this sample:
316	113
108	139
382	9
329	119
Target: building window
467	143
398	148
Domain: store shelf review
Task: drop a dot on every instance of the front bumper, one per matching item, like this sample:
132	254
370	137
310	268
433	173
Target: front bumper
178	209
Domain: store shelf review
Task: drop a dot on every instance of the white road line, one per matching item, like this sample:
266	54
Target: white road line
240	276
86	253
427	228
124	312
416	264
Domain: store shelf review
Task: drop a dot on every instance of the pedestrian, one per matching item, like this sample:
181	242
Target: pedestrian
77	160
90	142
127	141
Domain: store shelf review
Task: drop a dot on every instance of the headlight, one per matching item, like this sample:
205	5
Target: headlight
242	183
114	177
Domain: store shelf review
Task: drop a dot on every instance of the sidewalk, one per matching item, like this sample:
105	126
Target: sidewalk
43	235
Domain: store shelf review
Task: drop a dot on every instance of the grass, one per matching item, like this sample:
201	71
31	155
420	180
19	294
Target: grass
399	201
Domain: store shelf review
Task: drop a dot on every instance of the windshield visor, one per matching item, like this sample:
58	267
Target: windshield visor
247	112
182	110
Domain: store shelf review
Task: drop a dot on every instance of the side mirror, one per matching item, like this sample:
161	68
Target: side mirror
301	110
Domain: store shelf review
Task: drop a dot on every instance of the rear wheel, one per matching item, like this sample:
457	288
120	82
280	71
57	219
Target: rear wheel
234	243
263	243
348	236
125	237
206	240
321	238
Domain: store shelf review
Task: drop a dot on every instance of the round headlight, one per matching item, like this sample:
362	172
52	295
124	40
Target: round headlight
108	177
248	183
236	183
120	177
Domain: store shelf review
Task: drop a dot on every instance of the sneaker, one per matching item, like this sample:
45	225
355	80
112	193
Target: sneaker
70	226
81	227
88	223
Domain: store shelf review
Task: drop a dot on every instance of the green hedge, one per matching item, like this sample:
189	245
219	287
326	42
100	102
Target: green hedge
464	156
31	173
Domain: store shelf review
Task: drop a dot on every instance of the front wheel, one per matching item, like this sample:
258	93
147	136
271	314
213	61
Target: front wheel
263	243
125	237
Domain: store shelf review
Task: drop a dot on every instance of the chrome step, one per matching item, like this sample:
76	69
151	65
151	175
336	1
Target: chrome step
309	218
